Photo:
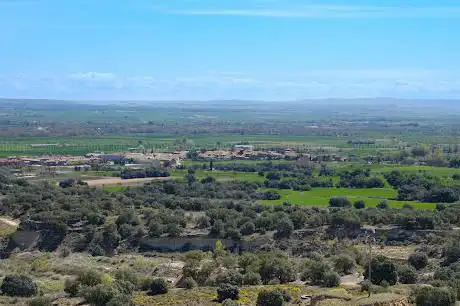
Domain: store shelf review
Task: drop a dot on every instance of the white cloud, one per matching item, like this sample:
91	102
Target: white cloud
274	86
330	11
92	76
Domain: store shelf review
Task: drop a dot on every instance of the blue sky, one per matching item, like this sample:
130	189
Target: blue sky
229	49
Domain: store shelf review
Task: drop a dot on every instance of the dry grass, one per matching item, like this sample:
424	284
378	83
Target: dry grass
248	295
50	271
376	299
7	226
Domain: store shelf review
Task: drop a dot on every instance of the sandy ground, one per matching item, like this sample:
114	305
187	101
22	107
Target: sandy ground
9	222
119	181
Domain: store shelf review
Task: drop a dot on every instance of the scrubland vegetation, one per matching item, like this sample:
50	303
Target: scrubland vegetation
365	213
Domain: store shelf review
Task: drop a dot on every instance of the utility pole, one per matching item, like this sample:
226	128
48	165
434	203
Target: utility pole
369	290
369	241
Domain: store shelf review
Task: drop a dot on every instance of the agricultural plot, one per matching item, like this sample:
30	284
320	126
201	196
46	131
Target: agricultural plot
221	175
114	188
321	197
229	162
436	171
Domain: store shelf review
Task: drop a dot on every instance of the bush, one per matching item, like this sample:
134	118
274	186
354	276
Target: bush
248	228
158	286
444	274
99	295
382	270
407	274
331	280
126	275
227	291
284	228
229	302
383	205
189	283
315	272
418	260
276	266
72	287
339	202
18	285
344	264
440	207
360	204
126	288
366	286
270	298
432	296
89	278
251	278
451	251
41	301
229	277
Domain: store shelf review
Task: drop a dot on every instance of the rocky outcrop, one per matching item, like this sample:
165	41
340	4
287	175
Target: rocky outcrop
44	236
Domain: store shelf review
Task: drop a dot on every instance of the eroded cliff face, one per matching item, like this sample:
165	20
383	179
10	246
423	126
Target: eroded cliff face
32	235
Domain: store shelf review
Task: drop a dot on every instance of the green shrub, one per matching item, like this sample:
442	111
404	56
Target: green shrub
418	260
330	280
383	270
276	266
41	301
383	205
189	283
407	274
270	298
144	283
360	204
284	228
158	286
229	277
444	274
90	278
315	272
251	278
227	291
432	296
344	264
126	275
125	288
339	202
72	287
366	286
230	302
18	285
99	295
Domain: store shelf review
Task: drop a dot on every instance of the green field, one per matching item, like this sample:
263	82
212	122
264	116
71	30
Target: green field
436	171
114	188
321	196
234	161
81	145
221	175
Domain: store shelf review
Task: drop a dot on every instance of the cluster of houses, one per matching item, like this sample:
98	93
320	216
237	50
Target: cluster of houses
248	152
47	160
172	159
166	159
